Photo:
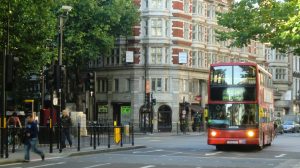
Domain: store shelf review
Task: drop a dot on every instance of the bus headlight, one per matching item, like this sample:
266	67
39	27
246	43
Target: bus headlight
250	133
213	133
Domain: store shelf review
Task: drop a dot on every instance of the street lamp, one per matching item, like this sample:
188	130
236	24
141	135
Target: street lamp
64	12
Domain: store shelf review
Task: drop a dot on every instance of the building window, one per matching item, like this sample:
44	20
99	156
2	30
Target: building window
166	84
194	58
194	33
156	25
156	3
102	86
190	86
146	3
200	59
146	27
211	12
186	31
116	85
156	84
156	55
194	6
185	85
128	83
210	36
167	28
186	6
167	57
201	10
200	33
280	73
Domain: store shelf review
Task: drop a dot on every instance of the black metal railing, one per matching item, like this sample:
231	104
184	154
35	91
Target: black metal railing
92	137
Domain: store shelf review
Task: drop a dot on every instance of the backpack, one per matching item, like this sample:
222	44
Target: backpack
12	121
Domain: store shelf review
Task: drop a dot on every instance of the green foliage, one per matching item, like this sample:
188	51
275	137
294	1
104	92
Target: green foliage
30	24
90	30
268	21
92	27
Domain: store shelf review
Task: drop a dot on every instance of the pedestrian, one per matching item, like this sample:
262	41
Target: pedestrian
14	121
14	125
66	124
31	138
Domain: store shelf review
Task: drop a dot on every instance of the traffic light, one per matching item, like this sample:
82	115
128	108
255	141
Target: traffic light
10	71
49	74
147	99
153	101
90	84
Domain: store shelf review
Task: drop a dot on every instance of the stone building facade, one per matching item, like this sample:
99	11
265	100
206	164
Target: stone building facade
172	46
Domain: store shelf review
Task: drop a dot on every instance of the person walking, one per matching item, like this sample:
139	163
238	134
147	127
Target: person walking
31	138
66	124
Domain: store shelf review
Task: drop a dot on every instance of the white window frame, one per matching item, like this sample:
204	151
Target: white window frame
156	84
186	31
156	4
156	54
156	27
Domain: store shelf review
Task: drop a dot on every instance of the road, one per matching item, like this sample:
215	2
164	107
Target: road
189	151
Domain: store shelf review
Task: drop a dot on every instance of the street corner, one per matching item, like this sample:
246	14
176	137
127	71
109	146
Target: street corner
106	150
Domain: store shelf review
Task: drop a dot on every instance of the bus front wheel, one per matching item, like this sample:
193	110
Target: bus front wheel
219	147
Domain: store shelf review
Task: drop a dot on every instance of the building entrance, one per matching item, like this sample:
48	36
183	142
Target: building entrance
164	119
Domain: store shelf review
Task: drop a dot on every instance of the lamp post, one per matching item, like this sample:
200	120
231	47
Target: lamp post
64	12
4	66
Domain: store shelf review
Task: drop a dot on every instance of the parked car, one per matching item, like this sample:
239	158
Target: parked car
279	129
291	126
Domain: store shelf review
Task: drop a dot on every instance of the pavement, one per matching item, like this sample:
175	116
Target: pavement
18	155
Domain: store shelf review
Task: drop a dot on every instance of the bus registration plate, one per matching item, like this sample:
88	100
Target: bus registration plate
232	142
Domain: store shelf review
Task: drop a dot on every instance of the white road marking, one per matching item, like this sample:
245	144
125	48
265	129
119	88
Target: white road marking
211	154
172	154
11	164
97	165
281	155
158	150
149	166
46	158
50	164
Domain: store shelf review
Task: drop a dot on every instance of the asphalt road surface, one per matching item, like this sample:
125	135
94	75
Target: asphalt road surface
184	151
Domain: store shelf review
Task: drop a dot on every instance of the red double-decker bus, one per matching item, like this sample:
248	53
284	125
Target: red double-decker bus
240	105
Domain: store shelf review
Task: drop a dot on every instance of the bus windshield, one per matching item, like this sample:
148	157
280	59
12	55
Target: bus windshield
233	75
233	115
233	83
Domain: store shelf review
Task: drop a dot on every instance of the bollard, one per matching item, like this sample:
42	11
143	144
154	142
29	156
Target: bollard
108	134
50	138
6	147
132	135
177	127
91	137
98	134
57	136
13	138
78	136
122	135
60	137
94	131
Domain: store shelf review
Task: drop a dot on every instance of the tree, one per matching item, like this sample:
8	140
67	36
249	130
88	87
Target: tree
267	21
91	30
